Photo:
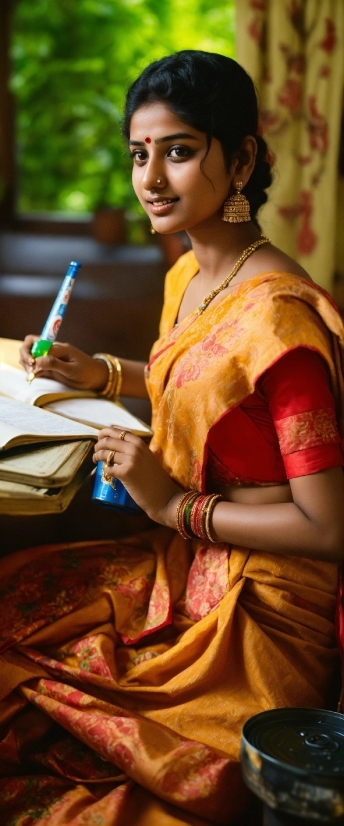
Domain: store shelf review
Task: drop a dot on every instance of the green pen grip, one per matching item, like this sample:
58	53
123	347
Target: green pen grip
41	348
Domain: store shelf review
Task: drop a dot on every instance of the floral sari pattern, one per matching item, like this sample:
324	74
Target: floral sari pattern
309	429
128	668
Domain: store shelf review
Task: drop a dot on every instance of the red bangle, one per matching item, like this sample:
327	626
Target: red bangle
186	499
201	513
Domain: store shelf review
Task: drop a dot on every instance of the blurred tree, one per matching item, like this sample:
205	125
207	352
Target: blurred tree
72	62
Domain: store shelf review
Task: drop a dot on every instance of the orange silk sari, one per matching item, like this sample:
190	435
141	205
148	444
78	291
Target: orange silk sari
128	668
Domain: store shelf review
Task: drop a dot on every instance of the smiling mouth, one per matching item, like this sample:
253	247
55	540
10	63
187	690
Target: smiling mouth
163	202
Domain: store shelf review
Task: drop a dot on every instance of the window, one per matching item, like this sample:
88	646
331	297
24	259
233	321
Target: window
72	62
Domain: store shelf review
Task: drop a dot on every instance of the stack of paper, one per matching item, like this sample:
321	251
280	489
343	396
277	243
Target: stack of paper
45	454
26	497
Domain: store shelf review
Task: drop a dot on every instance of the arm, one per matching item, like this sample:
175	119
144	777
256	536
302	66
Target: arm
71	366
312	525
301	404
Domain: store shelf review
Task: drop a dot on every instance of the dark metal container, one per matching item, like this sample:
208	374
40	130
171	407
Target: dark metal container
293	759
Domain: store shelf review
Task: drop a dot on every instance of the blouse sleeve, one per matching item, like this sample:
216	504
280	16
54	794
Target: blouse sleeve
297	391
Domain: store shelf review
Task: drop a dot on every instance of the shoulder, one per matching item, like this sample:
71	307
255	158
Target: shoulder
295	310
274	259
268	259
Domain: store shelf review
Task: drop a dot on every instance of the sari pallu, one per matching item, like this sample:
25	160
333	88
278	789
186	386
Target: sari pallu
128	668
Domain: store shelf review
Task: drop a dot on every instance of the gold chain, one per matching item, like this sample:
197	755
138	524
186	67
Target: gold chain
246	254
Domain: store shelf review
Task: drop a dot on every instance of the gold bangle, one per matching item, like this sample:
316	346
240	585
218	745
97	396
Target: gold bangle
118	367
208	515
103	357
114	383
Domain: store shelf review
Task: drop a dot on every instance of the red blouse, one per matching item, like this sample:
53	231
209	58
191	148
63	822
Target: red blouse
286	428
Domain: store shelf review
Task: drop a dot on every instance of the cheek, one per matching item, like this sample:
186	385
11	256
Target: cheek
136	182
134	179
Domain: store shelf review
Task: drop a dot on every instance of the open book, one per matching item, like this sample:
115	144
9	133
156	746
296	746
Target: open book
51	465
21	424
79	405
19	499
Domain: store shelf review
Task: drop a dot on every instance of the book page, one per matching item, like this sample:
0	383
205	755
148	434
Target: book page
99	413
14	383
9	351
28	500
40	464
20	423
81	406
8	490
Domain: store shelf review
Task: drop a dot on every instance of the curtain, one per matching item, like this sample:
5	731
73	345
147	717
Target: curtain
294	51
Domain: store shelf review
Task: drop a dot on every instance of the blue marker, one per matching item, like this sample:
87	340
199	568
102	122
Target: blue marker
48	335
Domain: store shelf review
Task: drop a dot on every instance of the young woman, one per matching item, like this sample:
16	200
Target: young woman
129	668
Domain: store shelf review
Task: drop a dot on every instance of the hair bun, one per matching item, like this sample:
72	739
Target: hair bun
260	179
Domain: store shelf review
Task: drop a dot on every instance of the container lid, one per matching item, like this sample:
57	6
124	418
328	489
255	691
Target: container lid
311	741
293	759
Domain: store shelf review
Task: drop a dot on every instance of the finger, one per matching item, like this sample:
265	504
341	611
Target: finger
118	433
28	363
102	456
28	342
61	350
25	357
109	443
52	363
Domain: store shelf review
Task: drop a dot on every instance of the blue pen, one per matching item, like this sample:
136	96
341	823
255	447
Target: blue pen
48	335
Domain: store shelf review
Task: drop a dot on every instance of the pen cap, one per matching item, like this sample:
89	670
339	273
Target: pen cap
41	348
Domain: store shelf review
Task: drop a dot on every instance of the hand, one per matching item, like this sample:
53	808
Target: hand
139	470
65	364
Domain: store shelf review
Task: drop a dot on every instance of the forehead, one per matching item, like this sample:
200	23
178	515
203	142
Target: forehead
156	120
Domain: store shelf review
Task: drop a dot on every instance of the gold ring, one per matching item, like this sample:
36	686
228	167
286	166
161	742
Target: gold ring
110	457
122	435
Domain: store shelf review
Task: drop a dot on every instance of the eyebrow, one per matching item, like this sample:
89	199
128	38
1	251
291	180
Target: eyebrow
167	138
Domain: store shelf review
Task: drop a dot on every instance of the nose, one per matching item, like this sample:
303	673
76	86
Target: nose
152	178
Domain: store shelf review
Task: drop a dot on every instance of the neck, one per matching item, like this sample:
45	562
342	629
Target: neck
218	247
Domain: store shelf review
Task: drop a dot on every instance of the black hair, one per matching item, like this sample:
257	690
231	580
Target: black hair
215	95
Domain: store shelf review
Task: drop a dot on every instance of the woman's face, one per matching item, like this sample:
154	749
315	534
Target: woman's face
180	184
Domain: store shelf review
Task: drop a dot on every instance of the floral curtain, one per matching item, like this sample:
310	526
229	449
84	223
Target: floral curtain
294	51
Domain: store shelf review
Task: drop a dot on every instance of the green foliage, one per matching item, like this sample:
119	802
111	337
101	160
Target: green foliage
72	62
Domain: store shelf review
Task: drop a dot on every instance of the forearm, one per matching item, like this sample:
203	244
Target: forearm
312	525
281	529
133	381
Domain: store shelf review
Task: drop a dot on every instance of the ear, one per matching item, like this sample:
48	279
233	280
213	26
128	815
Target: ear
244	159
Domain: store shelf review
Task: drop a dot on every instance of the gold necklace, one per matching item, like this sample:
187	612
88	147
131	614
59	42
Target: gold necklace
246	254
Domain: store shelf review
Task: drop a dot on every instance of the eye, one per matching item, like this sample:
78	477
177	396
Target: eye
139	156
180	152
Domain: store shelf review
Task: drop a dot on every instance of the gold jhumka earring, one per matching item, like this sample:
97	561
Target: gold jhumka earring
236	209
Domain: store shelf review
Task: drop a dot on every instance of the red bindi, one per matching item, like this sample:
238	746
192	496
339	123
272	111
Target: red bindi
148	140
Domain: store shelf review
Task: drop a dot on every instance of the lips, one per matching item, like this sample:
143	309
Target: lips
162	200
163	205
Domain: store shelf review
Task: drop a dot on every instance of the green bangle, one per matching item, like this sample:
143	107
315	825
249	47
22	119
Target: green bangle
187	512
